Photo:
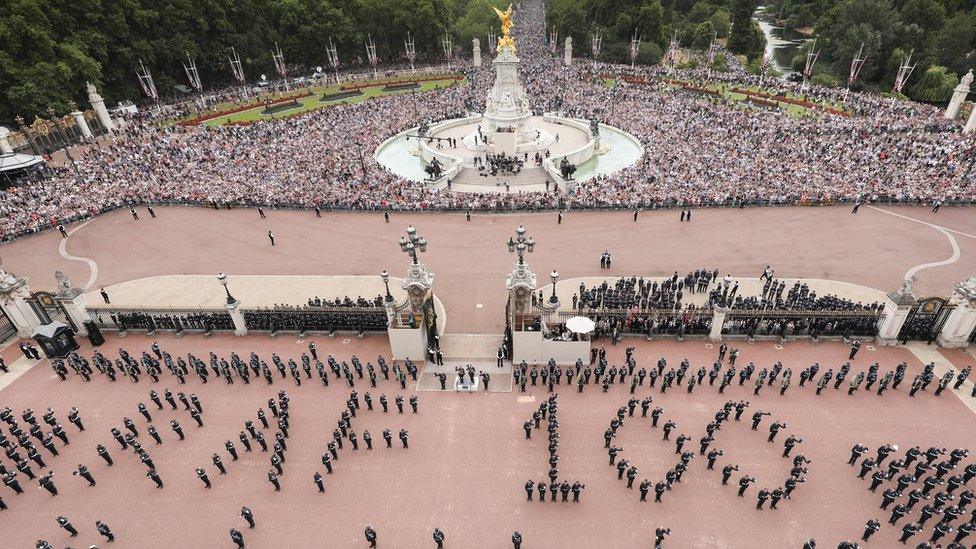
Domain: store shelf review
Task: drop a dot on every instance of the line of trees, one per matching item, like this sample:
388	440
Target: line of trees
941	33
940	36
656	21
49	49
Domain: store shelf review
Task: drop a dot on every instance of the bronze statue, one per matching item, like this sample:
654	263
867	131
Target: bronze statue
506	37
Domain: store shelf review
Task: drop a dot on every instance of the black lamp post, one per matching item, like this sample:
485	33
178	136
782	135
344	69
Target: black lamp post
520	244
223	280
413	243
386	281
554	276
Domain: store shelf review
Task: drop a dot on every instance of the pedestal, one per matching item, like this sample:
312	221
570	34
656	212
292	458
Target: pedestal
962	319
896	310
240	327
5	147
970	123
98	104
959	95
75	306
568	51
82	124
718	320
13	300
409	343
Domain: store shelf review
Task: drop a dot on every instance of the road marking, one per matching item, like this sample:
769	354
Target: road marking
946	232
17	369
92	266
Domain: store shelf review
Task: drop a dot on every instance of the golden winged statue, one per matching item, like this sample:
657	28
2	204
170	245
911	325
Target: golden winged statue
506	38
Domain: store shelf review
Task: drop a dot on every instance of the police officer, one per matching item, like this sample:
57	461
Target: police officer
317	478
248	516
370	535
872	526
104	530
517	540
235	534
63	522
438	538
202	474
154	476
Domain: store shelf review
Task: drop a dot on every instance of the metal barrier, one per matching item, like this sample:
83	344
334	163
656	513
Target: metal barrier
650	322
802	323
316	319
177	320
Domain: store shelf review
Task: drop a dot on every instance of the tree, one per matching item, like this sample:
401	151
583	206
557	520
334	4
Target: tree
954	45
704	32
649	22
741	36
928	14
935	85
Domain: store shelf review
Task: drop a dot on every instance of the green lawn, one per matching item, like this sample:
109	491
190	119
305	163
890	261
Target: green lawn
313	101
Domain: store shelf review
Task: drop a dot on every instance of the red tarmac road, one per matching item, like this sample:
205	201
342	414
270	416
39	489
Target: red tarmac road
470	261
468	459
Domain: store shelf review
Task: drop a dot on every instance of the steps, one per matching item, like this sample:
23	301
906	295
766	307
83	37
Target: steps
530	179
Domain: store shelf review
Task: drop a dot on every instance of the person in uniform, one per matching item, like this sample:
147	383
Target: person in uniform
237	537
63	523
248	516
202	474
438	538
317	478
104	530
370	535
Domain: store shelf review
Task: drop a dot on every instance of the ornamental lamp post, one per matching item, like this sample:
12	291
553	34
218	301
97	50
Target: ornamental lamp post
385	275
413	243
520	244
223	280
554	276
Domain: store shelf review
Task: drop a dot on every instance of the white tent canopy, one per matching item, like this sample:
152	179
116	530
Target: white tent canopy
580	325
18	161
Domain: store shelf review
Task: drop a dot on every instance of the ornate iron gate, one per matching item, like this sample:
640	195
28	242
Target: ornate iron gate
7	327
926	319
48	309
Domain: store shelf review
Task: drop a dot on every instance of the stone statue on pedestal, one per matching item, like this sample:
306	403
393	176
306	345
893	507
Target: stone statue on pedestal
959	96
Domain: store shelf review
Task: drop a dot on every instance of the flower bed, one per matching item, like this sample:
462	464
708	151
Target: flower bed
274	108
390	82
401	86
340	95
241	108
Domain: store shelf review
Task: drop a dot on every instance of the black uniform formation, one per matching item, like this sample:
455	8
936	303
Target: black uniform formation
706	449
636	305
151	365
21	442
149	321
20	447
547	410
314	319
345	432
934	478
605	375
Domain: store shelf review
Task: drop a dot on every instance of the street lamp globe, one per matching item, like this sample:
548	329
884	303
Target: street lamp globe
554	276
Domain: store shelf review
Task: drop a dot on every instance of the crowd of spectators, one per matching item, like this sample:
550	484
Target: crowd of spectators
701	149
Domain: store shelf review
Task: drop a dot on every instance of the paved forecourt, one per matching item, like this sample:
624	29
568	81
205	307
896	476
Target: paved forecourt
468	459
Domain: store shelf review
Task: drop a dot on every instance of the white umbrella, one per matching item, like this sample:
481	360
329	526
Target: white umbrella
580	325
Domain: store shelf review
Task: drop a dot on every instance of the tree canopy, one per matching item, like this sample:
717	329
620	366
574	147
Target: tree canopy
50	48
